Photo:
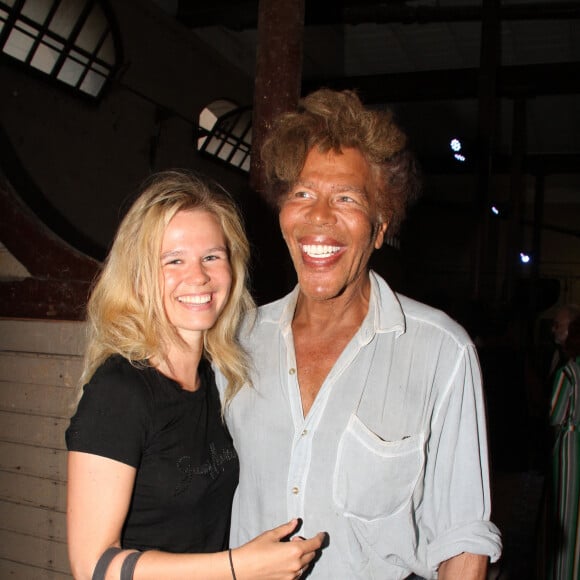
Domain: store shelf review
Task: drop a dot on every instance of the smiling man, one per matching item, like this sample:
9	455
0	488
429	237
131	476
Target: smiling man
366	417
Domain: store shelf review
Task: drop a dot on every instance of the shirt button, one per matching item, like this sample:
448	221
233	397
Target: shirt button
292	371
295	490
304	432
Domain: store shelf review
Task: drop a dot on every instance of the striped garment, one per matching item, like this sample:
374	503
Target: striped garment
563	561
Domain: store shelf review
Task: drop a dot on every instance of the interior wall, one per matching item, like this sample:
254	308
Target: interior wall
86	158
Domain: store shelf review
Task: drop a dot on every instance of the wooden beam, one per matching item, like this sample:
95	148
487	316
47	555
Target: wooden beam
278	71
512	82
60	275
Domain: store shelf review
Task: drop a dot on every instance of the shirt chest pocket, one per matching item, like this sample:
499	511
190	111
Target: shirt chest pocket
375	478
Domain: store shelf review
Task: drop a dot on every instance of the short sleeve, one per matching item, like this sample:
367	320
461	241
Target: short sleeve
112	417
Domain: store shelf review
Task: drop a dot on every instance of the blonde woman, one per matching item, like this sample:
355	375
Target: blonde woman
151	466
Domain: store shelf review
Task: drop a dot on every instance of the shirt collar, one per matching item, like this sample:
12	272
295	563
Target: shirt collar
384	315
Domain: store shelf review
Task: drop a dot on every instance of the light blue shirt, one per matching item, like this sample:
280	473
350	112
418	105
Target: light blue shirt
391	460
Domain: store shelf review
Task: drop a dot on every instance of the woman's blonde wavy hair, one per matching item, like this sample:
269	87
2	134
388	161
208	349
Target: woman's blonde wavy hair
125	312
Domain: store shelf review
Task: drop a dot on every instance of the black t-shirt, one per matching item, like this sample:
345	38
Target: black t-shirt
187	468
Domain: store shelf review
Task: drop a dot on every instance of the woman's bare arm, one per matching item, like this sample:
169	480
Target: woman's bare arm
99	494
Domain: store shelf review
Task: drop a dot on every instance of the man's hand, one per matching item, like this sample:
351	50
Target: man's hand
465	566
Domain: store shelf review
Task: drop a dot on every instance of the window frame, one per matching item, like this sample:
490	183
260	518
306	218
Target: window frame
69	50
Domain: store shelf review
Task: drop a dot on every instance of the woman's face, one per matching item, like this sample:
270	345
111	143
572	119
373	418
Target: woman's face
196	276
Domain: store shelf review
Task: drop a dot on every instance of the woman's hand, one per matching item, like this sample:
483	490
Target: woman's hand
268	557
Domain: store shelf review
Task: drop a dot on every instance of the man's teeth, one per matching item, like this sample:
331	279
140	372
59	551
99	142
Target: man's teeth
203	299
319	250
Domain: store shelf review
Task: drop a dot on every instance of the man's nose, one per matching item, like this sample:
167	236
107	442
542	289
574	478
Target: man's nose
321	213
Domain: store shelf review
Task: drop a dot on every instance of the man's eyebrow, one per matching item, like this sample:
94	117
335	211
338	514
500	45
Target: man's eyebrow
336	188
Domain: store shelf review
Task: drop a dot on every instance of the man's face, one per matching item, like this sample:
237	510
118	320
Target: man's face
560	326
329	223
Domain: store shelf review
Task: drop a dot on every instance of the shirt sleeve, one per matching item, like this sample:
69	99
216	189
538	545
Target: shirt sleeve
112	417
560	401
457	490
220	381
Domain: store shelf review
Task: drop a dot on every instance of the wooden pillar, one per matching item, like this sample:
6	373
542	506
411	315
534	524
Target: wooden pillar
537	241
278	71
517	187
487	120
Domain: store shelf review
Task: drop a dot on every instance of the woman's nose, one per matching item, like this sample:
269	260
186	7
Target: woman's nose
197	275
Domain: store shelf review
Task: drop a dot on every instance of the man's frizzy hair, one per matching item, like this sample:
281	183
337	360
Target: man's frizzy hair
332	120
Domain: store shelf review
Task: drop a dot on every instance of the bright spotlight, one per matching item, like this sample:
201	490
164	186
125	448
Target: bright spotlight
455	145
494	210
525	258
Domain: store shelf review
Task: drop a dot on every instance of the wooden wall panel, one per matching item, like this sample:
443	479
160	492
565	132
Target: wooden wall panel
16	571
40	362
32	429
42	336
34	399
37	553
34	491
34	521
33	368
30	460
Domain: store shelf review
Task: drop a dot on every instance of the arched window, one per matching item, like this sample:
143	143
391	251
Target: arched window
225	132
71	41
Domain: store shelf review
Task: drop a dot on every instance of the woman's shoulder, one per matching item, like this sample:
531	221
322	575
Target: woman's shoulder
120	378
118	365
114	413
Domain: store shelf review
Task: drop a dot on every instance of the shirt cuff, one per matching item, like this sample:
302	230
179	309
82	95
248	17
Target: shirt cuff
479	537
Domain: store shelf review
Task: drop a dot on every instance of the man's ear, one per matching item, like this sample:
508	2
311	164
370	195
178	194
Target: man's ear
380	230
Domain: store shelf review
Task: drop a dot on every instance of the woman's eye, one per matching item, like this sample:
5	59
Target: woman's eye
215	257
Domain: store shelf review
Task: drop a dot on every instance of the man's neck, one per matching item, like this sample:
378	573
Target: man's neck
345	310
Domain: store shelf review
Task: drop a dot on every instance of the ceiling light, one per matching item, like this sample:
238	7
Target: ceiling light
455	145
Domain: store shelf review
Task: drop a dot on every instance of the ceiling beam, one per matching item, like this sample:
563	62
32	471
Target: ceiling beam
398	12
536	164
512	81
242	15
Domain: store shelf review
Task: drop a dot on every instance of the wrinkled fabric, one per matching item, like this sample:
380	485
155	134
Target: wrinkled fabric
391	460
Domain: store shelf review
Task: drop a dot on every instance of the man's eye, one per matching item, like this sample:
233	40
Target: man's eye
346	198
301	194
173	262
211	258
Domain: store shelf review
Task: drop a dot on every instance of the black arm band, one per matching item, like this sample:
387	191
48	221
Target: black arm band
103	563
129	564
